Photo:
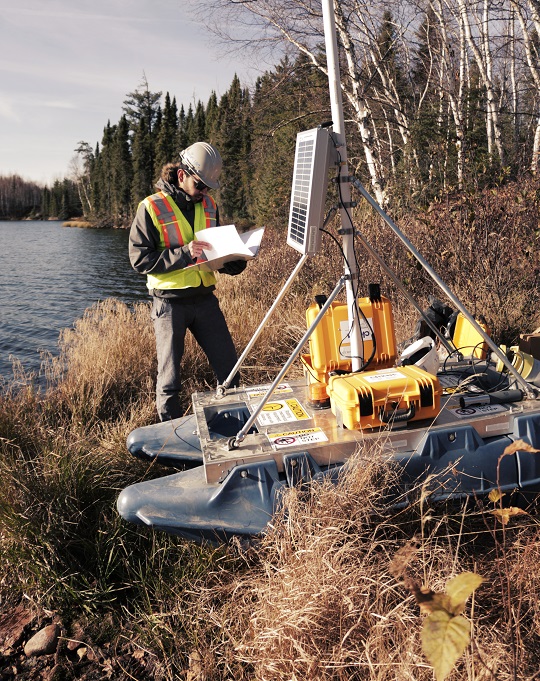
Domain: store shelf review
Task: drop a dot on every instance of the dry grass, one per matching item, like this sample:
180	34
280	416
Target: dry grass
320	597
323	595
106	365
77	223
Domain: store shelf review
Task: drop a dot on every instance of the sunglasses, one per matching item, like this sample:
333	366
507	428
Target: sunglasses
199	184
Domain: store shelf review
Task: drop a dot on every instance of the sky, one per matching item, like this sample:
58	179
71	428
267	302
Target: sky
67	65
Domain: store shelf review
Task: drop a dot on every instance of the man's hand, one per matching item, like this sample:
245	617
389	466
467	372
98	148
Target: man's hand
196	248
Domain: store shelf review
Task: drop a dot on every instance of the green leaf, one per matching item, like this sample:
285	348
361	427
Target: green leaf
444	638
460	588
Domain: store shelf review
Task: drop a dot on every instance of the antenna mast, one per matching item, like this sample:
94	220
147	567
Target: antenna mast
344	184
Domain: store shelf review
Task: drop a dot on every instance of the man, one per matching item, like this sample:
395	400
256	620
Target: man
162	246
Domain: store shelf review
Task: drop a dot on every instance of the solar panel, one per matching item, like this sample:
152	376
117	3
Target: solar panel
310	183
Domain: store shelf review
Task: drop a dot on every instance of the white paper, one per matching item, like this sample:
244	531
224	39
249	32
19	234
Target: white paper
226	245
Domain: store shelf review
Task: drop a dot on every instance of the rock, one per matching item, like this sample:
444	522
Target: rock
44	642
13	625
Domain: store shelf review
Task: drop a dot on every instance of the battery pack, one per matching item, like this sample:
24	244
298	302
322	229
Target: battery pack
330	342
385	397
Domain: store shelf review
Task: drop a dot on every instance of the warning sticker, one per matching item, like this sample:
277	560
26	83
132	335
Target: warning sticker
281	411
297	437
480	410
261	390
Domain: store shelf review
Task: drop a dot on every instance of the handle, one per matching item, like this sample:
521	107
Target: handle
397	415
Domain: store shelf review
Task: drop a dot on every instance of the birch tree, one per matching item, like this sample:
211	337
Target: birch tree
299	25
483	60
532	57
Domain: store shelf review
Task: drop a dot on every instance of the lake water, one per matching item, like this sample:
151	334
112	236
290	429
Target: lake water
49	275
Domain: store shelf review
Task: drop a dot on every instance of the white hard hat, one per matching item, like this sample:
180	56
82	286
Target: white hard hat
422	353
204	160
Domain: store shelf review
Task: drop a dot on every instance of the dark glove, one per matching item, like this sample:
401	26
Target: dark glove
234	267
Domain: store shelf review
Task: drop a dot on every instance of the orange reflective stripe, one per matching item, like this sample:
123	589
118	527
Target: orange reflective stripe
209	211
173	224
170	229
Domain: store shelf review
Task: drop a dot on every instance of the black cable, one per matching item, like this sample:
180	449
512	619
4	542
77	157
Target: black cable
355	288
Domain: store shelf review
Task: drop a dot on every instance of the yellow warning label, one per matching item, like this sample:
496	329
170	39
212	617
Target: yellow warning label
273	406
281	411
297	409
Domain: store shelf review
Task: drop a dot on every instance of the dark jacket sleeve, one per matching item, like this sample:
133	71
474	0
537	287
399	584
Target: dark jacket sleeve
233	267
144	253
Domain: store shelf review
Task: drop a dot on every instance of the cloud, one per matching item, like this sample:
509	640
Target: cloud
57	104
66	68
7	109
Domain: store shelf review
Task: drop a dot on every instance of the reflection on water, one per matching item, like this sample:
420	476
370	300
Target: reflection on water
49	275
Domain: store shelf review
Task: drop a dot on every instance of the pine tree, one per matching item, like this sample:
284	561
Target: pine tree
166	143
141	103
181	135
102	179
290	98
122	173
212	118
234	143
143	170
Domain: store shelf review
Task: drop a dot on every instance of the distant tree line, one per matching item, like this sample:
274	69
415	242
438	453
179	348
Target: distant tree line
19	198
440	96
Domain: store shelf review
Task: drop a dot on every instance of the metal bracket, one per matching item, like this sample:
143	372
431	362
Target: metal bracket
349	204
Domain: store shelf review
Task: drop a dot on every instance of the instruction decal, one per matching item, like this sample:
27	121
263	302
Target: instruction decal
480	410
281	411
308	436
385	375
261	390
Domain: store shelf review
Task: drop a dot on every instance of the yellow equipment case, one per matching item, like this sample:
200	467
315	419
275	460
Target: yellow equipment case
374	399
330	347
467	340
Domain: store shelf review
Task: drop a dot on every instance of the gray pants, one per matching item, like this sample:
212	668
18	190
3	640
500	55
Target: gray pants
204	318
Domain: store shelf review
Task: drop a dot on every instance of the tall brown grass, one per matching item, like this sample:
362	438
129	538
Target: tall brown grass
323	596
319	596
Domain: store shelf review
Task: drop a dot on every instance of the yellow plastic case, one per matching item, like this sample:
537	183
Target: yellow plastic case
468	341
374	399
329	345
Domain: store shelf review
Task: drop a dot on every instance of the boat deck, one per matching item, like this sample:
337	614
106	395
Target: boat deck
288	423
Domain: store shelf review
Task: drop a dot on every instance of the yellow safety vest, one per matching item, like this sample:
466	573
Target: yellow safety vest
174	230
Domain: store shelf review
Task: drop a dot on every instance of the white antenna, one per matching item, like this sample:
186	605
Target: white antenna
310	184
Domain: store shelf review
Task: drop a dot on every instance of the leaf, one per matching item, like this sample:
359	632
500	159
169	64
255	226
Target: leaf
495	495
519	446
444	638
460	588
432	602
504	514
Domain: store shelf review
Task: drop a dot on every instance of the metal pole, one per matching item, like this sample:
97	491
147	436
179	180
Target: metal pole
240	436
529	391
344	185
448	347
